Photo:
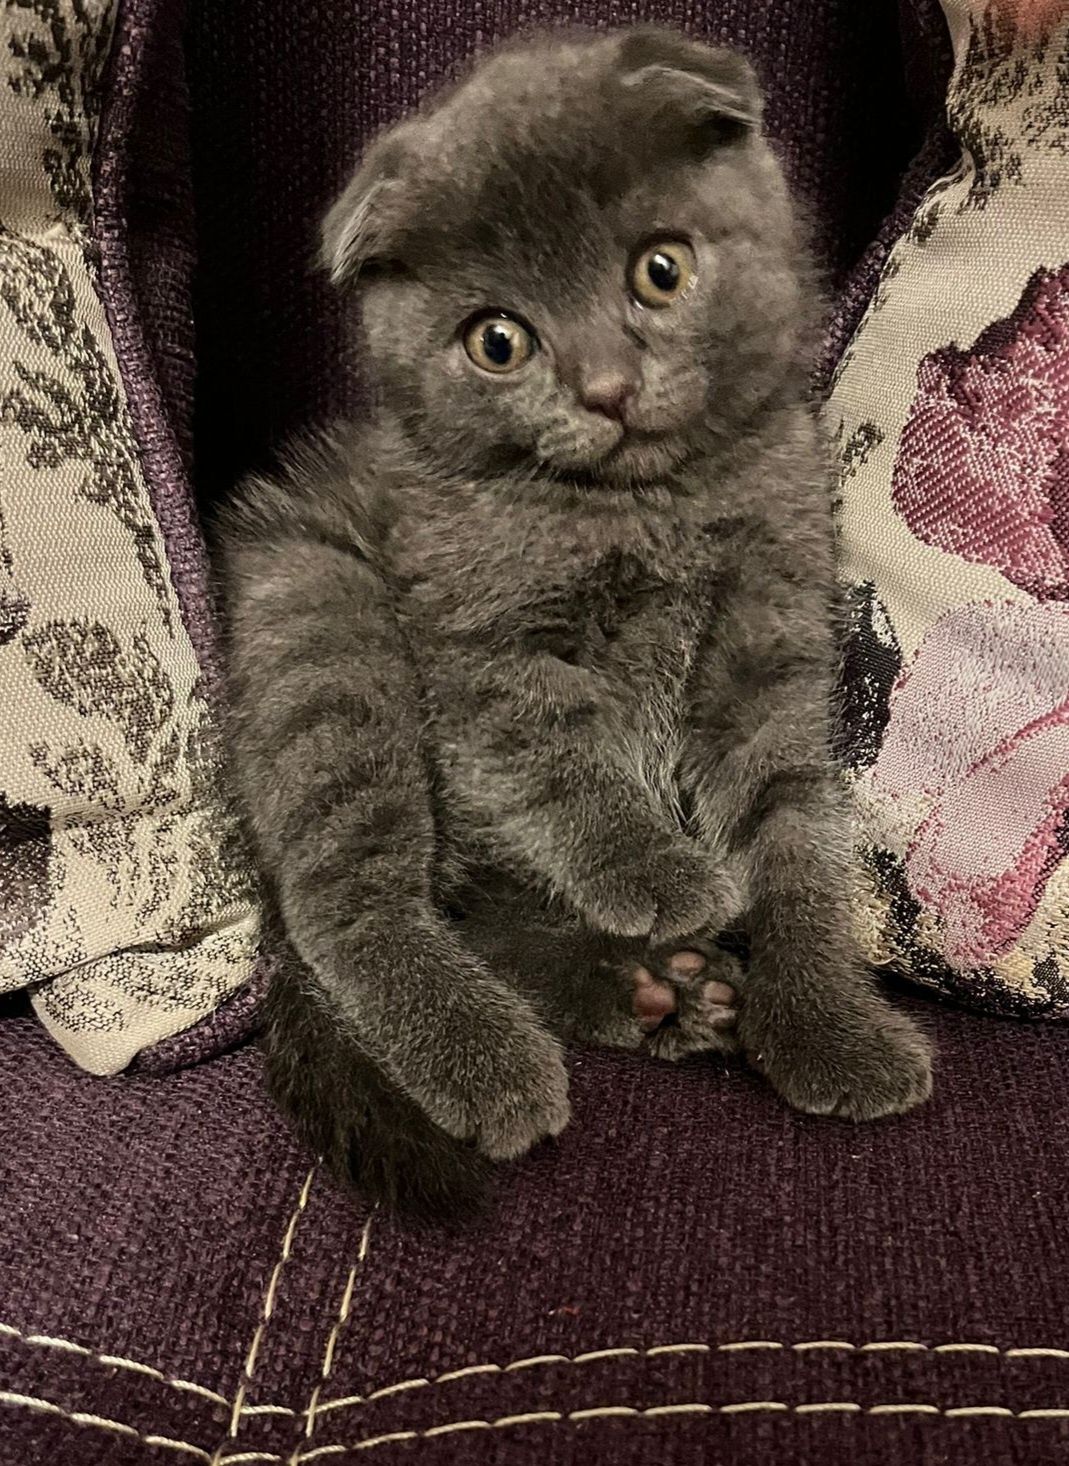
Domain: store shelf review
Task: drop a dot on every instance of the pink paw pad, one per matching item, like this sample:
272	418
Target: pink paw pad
655	1000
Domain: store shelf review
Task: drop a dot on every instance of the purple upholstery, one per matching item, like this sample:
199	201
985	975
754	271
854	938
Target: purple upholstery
144	220
146	263
169	1275
926	64
156	1221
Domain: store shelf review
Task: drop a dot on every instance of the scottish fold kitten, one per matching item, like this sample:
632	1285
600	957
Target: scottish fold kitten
533	669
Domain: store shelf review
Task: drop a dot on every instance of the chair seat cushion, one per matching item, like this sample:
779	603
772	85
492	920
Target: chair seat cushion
692	1272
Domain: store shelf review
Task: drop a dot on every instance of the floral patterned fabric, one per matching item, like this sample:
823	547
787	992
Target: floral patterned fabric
125	897
950	410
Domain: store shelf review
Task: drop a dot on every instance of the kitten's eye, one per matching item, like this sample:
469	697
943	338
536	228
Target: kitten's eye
662	272
498	343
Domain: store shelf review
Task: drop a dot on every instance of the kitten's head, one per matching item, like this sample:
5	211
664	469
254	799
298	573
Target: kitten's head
580	259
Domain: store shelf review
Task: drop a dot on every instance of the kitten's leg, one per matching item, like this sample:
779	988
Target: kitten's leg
348	1111
328	754
764	787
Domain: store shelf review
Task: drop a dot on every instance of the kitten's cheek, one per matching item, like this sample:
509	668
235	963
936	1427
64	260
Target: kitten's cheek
670	404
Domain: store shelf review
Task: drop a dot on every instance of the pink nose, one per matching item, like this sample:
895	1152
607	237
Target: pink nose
609	395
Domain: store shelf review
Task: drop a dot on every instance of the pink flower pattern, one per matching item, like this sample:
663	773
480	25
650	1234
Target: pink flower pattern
983	463
978	734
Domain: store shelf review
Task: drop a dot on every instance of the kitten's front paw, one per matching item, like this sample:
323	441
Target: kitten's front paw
664	894
506	1089
693	892
862	1067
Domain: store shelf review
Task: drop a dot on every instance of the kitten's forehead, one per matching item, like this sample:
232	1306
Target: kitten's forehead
552	155
546	112
532	168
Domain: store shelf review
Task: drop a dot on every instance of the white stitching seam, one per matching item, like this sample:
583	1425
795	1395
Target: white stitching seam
267	1307
332	1341
113	1361
98	1422
535	1417
247	1458
604	1412
110	1361
659	1350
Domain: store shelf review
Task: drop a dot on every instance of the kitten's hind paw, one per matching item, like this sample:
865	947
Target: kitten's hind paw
706	981
862	1067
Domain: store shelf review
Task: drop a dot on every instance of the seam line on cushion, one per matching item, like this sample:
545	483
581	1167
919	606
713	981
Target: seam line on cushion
334	1335
742	1407
99	1422
110	1361
884	1346
246	1458
45	1341
268	1305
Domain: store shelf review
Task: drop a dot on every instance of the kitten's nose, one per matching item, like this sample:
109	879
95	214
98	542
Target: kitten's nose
609	394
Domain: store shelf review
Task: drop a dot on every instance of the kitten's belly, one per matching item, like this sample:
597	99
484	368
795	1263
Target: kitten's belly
648	731
489	766
505	726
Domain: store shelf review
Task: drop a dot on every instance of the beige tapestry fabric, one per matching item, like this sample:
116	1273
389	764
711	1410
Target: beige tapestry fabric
125	897
950	411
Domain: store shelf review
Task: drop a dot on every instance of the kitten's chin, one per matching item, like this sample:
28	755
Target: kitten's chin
638	458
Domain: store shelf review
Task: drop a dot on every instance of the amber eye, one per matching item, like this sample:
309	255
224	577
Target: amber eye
662	272
498	343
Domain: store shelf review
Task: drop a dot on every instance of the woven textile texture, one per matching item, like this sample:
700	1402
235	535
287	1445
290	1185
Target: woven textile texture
951	415
125	896
691	1274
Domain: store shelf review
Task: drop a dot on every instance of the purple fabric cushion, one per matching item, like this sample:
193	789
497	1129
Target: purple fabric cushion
144	195
144	227
927	61
166	1269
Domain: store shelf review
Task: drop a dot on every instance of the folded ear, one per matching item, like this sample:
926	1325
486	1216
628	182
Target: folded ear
712	93
360	228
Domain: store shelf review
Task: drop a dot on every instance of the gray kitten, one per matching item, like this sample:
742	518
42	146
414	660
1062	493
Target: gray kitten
533	671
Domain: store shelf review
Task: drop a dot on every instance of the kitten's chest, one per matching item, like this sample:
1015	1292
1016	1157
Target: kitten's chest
604	592
636	622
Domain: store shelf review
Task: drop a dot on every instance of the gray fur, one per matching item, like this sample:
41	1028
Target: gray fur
518	701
